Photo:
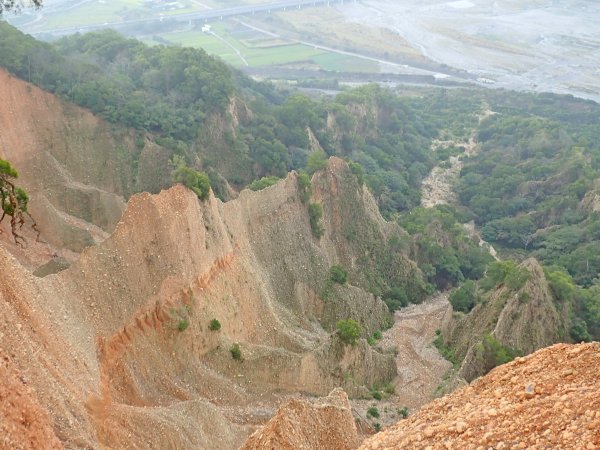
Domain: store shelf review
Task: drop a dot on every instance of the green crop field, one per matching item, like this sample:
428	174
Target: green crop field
344	63
233	42
259	50
100	11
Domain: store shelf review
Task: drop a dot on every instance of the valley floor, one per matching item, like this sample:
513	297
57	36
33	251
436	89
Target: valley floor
421	368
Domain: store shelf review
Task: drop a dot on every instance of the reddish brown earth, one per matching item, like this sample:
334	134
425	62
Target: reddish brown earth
117	347
326	423
23	422
549	399
98	357
101	342
75	166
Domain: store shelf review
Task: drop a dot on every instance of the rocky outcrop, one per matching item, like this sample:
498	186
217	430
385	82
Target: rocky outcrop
591	201
310	425
549	399
524	320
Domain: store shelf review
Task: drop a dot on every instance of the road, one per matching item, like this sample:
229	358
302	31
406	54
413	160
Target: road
206	15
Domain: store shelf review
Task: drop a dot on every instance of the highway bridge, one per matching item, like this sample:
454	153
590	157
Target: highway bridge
200	16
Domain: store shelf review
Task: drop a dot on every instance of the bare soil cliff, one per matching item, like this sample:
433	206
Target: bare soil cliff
118	348
23	423
77	168
326	423
549	399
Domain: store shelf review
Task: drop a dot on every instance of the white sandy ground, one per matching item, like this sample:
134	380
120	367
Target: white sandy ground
545	45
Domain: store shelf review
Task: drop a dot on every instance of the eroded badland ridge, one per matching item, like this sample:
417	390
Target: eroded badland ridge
549	399
119	344
78	168
118	348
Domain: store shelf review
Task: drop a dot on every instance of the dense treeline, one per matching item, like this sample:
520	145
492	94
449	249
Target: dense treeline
526	188
172	92
166	90
381	132
446	254
539	157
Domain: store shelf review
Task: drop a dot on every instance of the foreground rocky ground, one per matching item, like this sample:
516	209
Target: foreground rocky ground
549	399
23	422
326	423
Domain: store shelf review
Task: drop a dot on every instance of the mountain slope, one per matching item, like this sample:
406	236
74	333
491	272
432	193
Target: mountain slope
118	347
76	167
519	320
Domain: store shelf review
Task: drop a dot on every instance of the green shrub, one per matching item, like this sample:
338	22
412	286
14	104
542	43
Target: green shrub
192	179
445	350
524	297
373	412
377	427
236	352
316	161
358	172
263	183
304	186
338	274
183	324
561	284
395	298
315	212
214	325
588	309
348	330
372	340
403	412
389	388
579	331
495	353
13	201
516	279
377	395
465	297
507	273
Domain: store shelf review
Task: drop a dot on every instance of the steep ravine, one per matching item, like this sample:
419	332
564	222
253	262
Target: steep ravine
421	368
117	348
438	186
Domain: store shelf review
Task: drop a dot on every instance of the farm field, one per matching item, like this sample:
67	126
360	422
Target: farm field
234	41
96	11
241	46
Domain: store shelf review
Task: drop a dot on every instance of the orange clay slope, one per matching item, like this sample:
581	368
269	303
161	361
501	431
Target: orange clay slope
549	399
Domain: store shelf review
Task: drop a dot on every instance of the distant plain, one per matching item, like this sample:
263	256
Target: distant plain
535	45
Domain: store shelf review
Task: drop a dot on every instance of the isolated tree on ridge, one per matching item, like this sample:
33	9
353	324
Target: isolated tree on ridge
13	201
